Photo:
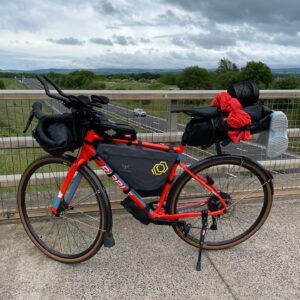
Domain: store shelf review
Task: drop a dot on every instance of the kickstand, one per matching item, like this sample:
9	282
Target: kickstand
202	236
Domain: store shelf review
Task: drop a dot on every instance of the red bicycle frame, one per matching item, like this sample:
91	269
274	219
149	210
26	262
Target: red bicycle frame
88	153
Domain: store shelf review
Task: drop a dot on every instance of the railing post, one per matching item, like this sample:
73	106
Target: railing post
171	118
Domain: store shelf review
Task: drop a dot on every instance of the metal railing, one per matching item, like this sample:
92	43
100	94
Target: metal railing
17	150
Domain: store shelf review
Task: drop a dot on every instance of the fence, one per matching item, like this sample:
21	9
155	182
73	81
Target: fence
18	150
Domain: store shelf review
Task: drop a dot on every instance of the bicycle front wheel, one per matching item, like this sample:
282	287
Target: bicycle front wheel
77	232
243	184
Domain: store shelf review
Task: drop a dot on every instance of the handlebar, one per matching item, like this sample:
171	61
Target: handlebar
37	111
82	104
46	88
71	101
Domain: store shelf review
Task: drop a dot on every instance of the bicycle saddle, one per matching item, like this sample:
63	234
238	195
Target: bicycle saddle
206	112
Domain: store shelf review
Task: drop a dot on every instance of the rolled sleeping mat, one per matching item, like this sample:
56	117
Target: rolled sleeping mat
246	92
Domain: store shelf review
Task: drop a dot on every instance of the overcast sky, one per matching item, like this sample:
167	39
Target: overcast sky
147	34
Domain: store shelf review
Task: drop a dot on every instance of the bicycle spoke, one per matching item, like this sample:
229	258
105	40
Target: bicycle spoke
64	217
247	195
82	199
84	213
73	236
82	236
66	230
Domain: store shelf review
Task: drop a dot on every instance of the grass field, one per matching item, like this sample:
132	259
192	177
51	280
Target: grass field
125	84
12	84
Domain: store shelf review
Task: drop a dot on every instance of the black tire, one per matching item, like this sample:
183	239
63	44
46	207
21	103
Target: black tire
82	227
185	190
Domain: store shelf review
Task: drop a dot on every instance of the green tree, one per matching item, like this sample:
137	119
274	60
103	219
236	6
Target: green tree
259	72
287	82
78	79
2	85
193	78
96	85
225	65
169	78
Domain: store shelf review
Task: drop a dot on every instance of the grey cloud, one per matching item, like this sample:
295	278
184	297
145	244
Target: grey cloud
67	41
170	17
271	16
180	41
180	33
123	40
118	40
112	27
22	61
209	41
101	41
137	59
213	40
285	40
145	40
15	15
107	7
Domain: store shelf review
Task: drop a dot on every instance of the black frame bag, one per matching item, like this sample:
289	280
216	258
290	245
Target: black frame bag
143	169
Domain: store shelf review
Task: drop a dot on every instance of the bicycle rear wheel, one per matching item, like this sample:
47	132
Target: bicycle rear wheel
243	184
77	232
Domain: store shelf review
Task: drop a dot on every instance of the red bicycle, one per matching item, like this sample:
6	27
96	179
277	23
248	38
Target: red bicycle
215	203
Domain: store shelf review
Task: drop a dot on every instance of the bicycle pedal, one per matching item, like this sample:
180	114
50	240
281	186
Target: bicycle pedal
214	225
109	240
186	228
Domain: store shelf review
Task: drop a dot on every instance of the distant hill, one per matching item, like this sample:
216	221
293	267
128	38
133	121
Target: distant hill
286	71
99	71
277	71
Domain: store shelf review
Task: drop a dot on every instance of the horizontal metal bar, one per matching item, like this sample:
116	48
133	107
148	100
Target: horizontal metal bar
20	142
144	94
44	178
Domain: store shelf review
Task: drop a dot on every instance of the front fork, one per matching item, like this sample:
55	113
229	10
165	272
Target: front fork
70	184
65	201
55	209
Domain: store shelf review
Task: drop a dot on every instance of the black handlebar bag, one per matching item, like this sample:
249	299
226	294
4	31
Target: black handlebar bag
57	134
143	169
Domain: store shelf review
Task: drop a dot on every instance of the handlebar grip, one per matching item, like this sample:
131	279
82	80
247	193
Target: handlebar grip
37	110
